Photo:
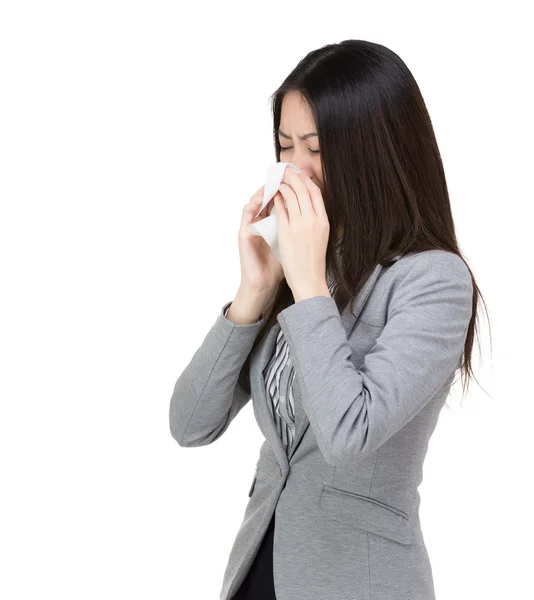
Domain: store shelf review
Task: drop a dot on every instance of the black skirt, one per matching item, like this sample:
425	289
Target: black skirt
259	582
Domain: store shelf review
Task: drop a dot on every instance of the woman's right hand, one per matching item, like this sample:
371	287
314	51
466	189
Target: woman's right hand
260	270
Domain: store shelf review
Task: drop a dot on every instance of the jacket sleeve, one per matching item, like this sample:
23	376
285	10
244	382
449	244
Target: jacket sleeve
213	387
354	411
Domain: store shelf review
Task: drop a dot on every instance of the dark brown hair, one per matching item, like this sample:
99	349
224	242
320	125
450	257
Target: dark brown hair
384	182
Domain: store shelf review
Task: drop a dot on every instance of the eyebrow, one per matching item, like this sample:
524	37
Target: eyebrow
301	137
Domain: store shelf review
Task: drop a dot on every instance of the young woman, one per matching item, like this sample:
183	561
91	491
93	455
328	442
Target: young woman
348	347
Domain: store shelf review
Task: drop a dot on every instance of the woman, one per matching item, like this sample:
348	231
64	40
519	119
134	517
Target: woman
348	347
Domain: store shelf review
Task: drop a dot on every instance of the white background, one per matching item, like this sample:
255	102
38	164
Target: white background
132	134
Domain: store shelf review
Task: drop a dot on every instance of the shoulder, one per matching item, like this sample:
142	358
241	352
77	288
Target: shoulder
429	263
448	262
431	273
430	277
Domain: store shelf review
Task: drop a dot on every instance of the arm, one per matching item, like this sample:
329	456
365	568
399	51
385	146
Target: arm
354	411
212	389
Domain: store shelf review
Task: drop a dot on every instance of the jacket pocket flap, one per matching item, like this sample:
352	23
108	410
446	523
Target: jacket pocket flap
366	513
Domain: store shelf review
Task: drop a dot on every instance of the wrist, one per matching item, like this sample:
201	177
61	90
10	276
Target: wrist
312	291
248	306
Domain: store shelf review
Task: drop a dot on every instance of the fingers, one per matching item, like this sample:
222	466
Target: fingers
251	208
281	210
268	207
315	196
297	195
260	191
266	210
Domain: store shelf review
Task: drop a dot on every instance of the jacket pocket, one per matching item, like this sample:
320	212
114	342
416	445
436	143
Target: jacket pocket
366	513
251	490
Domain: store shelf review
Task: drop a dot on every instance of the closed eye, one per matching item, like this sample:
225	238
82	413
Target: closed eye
289	148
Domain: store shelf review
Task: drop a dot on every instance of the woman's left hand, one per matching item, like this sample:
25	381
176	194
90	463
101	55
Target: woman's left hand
303	231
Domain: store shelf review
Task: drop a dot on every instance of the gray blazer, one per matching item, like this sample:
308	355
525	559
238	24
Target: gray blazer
368	390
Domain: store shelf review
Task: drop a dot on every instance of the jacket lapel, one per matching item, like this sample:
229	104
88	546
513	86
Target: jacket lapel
262	354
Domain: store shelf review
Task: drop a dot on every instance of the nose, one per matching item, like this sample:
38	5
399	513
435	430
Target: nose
306	170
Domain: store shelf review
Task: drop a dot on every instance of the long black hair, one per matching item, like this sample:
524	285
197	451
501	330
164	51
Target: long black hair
384	182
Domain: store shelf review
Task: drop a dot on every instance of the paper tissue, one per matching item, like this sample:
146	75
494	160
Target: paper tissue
268	227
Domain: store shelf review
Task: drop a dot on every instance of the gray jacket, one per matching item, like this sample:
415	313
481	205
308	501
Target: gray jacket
368	390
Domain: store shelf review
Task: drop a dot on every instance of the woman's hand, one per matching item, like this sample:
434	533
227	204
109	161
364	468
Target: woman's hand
303	230
260	270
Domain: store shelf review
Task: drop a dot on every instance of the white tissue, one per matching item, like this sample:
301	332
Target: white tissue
268	227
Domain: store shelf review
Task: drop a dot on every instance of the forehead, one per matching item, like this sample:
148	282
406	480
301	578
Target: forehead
296	115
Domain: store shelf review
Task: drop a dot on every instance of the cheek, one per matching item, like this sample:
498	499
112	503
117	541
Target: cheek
318	174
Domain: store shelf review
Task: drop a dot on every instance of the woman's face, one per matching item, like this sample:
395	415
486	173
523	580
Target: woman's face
296	121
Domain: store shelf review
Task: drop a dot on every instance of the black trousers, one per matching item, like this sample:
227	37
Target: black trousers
259	582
